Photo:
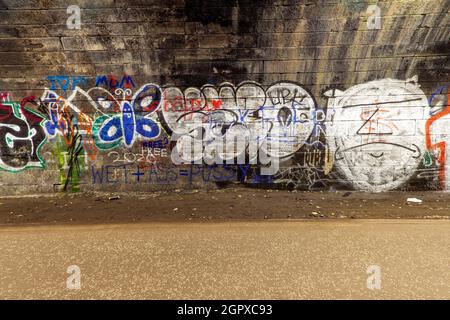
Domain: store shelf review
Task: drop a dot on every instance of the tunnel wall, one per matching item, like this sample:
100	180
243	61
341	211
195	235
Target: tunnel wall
152	95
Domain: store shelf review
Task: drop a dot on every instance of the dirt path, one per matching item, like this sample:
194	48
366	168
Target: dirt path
217	205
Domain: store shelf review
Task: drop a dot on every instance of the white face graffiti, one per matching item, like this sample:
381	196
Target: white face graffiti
375	131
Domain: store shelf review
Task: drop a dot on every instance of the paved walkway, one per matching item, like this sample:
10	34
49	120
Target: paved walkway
229	260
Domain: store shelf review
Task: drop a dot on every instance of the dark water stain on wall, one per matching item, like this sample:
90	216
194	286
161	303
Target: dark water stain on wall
245	22
207	12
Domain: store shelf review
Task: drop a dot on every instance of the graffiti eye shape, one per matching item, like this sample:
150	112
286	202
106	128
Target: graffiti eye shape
127	110
147	128
105	104
147	99
285	116
146	102
111	130
225	129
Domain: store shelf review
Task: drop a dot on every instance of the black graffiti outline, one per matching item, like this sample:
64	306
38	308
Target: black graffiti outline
379	142
378	103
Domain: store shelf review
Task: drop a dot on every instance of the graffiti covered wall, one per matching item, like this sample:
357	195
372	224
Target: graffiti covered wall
150	95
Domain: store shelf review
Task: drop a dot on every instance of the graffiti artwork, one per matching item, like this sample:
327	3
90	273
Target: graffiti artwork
133	121
437	137
215	119
376	132
374	136
21	136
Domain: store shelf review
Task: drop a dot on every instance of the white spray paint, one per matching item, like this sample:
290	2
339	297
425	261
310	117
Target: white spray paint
376	131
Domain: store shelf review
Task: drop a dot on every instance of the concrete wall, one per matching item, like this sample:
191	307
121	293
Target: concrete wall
332	96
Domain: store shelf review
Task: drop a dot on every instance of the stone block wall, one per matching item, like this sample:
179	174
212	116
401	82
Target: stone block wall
149	94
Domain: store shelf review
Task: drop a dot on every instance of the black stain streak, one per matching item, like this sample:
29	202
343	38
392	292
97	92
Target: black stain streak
218	13
242	21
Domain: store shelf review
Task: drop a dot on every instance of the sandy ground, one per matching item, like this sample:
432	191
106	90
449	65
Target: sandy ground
326	259
218	205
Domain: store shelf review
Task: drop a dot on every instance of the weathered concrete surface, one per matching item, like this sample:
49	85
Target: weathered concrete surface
258	260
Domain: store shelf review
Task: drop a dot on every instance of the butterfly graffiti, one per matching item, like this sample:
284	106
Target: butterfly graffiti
132	120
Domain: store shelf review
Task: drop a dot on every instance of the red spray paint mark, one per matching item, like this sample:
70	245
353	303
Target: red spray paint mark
441	145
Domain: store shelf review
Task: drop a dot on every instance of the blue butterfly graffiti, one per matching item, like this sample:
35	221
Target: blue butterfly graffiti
133	120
